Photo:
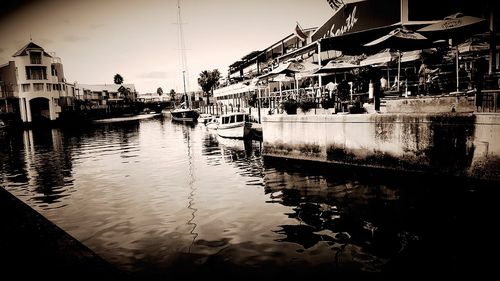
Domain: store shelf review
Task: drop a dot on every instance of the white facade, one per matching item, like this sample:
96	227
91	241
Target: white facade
34	80
37	83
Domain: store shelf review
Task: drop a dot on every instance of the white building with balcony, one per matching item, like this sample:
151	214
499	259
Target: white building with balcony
35	80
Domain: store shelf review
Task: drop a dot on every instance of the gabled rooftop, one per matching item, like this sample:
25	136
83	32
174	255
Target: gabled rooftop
30	46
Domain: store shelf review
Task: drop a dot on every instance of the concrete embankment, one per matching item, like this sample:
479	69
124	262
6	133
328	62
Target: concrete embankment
33	247
457	144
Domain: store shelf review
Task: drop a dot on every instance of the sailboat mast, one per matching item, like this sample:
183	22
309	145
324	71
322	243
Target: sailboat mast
182	49
184	82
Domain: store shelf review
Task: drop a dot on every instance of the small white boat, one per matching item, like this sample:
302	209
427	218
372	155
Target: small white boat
127	118
204	118
234	125
212	123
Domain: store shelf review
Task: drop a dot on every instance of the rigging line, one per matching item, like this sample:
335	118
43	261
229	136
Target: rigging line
182	46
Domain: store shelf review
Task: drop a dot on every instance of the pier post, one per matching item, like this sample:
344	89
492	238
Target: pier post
258	108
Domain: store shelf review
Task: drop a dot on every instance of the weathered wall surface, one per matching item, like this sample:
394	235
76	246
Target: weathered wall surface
460	104
456	144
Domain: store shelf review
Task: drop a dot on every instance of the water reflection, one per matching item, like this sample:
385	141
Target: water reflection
39	166
192	188
337	211
159	199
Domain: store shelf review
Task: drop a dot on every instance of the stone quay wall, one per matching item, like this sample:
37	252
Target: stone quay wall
458	144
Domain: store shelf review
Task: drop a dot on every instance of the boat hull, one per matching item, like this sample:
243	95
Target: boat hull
253	131
126	118
187	115
233	130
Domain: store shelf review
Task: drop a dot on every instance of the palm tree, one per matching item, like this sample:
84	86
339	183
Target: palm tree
207	81
172	94
125	93
159	91
118	79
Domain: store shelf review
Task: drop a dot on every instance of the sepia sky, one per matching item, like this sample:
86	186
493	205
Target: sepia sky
139	38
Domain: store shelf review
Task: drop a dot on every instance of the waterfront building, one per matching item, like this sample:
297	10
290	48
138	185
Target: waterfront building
33	85
241	83
103	95
153	97
350	27
438	131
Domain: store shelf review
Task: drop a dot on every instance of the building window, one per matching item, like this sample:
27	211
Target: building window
36	73
54	70
56	87
38	87
49	87
26	87
35	58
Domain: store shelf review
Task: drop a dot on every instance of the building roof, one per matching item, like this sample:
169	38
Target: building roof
113	88
30	46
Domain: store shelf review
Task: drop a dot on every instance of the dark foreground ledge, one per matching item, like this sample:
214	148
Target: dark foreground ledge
32	246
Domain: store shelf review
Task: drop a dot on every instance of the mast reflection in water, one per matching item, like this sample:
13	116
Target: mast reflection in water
157	198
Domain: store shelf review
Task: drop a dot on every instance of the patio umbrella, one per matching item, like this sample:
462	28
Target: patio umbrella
473	46
411	56
282	78
458	28
303	69
341	63
400	39
381	58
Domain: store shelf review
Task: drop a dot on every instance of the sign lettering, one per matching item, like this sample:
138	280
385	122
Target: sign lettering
350	21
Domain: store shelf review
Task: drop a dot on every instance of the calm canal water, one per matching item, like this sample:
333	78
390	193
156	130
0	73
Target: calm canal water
156	198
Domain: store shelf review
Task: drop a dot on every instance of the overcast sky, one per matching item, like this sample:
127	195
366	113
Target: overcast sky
139	38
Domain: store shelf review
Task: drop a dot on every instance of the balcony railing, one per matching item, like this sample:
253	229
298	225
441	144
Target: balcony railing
488	102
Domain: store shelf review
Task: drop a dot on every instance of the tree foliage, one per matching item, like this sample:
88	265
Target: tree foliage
208	80
118	79
125	93
159	91
172	94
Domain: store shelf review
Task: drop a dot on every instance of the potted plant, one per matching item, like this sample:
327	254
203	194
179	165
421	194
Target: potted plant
327	103
307	105
290	106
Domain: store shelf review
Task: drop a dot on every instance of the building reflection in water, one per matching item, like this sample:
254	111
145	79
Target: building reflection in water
38	163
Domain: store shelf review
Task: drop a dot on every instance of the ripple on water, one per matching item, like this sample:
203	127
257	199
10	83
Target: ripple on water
153	194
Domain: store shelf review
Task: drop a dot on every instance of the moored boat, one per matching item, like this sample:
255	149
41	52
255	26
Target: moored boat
184	115
234	125
127	118
204	118
212	123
